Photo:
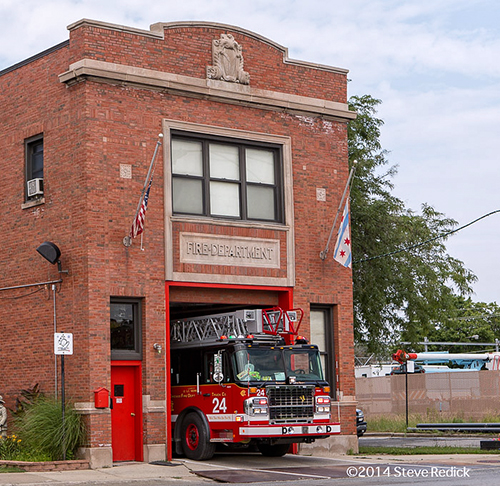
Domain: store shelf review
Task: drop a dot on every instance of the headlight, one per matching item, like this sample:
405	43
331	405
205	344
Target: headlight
323	405
256	406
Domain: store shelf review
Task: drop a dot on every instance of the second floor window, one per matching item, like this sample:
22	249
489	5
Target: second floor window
34	167
225	179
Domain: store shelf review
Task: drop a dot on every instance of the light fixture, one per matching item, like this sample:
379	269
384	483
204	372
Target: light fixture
51	252
157	347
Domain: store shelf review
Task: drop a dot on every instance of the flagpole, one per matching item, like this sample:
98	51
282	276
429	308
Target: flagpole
127	241
323	254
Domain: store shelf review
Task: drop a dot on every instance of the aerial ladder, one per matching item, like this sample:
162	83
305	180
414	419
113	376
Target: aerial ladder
241	324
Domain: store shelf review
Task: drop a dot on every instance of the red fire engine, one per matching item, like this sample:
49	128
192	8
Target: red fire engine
238	379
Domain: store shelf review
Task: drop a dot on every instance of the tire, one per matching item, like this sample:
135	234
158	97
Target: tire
195	438
276	450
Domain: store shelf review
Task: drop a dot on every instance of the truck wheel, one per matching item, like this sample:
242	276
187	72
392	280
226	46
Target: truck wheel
276	450
195	438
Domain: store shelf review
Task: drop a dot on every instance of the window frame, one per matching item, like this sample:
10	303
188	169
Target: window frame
127	354
241	144
330	372
29	145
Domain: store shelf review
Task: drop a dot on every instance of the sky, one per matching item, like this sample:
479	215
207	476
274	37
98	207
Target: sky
434	64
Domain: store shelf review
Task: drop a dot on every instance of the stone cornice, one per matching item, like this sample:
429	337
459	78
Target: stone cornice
221	91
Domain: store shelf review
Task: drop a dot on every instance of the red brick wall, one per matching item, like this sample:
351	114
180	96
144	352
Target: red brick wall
89	130
187	50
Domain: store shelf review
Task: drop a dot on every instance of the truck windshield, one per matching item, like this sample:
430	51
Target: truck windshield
265	364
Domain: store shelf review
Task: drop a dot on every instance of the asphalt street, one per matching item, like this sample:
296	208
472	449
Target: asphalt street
293	470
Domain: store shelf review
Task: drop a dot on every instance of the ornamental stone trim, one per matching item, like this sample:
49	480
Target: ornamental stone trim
227	59
211	89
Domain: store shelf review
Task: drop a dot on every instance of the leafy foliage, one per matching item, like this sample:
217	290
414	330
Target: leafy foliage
467	322
397	294
12	448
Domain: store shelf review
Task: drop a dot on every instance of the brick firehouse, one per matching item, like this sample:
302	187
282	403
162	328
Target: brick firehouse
243	154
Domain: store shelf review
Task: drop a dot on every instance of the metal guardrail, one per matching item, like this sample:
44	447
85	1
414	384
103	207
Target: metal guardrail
480	427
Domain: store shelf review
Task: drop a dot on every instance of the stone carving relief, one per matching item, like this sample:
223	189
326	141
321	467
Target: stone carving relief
227	61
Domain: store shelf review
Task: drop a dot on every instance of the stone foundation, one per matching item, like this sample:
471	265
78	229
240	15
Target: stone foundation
336	444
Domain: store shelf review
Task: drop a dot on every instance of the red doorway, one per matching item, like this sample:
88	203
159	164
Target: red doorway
126	414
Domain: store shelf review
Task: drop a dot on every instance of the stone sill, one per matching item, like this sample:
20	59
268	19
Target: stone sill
74	465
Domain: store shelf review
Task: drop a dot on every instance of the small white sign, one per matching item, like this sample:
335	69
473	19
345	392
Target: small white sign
63	343
411	366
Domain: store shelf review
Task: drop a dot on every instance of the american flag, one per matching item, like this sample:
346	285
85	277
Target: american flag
342	252
138	224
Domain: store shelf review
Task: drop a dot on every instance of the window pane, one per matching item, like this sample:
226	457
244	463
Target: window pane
318	329
318	333
260	202
37	160
122	326
187	195
186	158
224	199
224	162
260	166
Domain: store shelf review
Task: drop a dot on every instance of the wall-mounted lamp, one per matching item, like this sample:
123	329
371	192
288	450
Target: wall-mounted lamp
51	252
157	347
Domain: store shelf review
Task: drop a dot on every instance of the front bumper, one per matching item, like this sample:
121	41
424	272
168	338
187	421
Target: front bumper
289	430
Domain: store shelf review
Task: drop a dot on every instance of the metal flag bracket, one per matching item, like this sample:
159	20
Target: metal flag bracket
127	240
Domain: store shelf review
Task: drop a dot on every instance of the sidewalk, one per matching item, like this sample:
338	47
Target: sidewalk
120	472
179	470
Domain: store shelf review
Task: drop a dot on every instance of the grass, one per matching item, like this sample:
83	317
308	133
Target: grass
397	423
9	469
421	450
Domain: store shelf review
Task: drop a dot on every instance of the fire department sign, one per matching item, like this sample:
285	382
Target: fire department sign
226	250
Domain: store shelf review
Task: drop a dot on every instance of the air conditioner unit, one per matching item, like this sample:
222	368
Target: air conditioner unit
35	187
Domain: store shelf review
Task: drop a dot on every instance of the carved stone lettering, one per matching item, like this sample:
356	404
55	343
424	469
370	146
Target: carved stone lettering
225	250
227	61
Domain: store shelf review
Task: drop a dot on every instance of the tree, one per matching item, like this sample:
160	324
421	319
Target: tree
398	295
467	322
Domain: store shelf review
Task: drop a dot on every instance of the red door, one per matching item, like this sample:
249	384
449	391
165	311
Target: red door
125	414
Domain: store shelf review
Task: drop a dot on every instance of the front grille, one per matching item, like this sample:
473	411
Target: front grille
290	404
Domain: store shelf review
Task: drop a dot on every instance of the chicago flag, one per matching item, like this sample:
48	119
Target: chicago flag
342	252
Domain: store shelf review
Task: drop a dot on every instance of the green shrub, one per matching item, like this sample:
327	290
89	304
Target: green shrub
41	428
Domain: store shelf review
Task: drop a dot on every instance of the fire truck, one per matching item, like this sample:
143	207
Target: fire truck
246	378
